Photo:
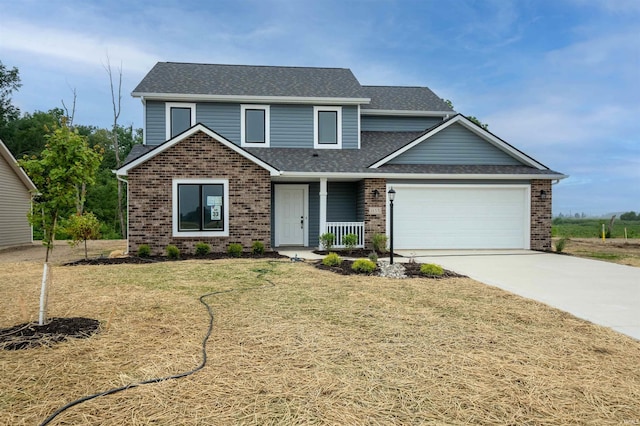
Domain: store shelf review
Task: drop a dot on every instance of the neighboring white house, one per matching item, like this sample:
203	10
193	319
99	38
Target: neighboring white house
15	201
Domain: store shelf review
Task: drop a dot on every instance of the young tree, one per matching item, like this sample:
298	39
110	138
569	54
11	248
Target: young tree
65	163
83	227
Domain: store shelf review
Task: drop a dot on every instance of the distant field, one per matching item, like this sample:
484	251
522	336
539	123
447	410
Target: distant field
590	228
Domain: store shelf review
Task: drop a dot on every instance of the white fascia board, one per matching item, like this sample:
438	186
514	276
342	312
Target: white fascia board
486	135
122	171
407	113
180	97
422	176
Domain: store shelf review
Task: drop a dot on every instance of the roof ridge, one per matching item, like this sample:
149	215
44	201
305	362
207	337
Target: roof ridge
400	87
255	66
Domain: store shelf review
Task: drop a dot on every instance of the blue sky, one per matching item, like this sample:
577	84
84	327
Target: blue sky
558	79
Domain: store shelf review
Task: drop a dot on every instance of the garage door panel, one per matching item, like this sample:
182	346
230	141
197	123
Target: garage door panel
449	217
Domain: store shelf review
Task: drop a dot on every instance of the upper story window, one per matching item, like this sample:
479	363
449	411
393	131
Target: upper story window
180	117
327	127
254	125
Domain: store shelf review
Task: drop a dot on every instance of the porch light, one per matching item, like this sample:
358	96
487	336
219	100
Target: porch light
376	193
543	194
392	196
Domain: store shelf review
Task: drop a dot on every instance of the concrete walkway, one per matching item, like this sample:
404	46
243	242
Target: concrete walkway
603	293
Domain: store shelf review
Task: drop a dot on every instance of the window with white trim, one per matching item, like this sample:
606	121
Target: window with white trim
254	125
180	117
327	127
200	207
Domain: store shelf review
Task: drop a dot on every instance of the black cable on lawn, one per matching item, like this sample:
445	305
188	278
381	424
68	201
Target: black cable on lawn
158	379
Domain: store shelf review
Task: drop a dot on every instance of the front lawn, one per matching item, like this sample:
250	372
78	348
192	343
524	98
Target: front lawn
296	345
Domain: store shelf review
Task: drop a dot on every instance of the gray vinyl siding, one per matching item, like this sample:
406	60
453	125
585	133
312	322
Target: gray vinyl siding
350	127
369	123
314	214
291	126
222	118
342	201
360	202
455	145
16	202
156	128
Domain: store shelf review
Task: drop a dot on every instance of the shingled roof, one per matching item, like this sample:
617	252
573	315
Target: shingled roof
399	98
248	80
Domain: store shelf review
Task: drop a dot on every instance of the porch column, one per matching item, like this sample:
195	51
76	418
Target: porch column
323	206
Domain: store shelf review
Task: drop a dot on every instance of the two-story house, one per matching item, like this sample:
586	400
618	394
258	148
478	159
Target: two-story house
282	155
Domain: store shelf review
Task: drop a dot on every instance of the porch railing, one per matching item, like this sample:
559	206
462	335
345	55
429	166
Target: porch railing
340	229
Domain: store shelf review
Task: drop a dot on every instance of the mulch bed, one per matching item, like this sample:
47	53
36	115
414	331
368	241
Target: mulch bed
31	335
152	259
358	253
412	270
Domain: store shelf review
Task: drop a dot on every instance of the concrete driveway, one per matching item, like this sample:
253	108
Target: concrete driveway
603	293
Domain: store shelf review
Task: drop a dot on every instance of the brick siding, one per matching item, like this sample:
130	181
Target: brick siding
374	223
540	215
198	156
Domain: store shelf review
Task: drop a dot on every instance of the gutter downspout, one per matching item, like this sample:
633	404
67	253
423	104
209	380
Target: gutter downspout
126	182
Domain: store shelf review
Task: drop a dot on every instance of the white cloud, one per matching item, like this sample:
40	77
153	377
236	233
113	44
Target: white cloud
83	49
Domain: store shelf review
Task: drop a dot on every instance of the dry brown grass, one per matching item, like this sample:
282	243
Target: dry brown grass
313	348
615	250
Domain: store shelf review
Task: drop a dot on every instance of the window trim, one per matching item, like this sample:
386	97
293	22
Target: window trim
176	213
267	125
316	123
167	115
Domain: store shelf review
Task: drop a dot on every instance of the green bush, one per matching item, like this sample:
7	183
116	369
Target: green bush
332	259
234	250
202	249
379	242
144	250
257	247
173	252
363	266
350	241
431	269
327	240
560	244
373	256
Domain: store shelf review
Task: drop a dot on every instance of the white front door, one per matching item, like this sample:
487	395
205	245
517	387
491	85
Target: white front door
291	215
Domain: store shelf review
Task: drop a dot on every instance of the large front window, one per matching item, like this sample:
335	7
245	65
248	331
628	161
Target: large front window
254	125
200	207
327	127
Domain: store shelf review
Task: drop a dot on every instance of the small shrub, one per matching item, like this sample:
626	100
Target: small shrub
234	250
257	247
173	252
379	242
203	249
332	259
350	241
363	266
560	244
327	240
431	269
144	250
373	257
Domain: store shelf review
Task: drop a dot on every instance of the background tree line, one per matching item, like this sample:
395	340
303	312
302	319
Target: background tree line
25	134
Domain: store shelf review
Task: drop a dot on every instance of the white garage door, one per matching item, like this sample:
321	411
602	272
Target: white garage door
461	217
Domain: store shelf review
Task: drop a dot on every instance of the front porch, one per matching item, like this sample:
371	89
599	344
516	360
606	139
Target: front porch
302	211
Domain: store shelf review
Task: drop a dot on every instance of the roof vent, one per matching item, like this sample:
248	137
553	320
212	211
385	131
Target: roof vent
315	154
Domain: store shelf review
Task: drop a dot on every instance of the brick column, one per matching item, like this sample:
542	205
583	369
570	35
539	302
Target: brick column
540	215
375	209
